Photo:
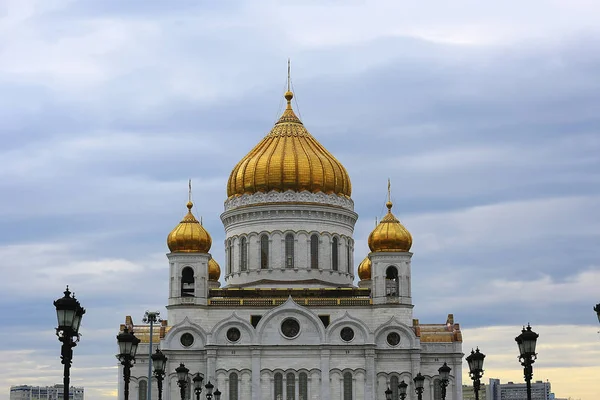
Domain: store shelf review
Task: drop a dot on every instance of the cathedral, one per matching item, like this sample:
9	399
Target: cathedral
290	323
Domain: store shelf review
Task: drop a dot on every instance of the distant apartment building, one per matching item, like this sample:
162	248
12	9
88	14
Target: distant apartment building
517	391
56	392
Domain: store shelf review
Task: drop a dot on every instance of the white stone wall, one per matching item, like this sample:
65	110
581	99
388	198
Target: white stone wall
318	351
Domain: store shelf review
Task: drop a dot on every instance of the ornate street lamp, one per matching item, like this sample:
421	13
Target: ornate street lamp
597	309
209	390
475	361
69	313
128	344
197	381
444	372
150	317
527	341
217	394
182	376
159	360
402	390
388	394
419	382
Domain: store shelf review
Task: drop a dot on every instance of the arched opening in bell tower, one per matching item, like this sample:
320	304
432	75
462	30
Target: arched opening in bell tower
392	283
187	282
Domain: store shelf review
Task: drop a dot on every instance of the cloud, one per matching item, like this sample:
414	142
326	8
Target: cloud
484	117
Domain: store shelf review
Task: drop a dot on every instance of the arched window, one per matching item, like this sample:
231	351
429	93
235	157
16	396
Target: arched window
334	254
187	282
348	257
303	383
314	252
290	386
394	386
347	386
233	386
230	258
143	390
243	254
392	285
278	383
437	390
289	250
264	252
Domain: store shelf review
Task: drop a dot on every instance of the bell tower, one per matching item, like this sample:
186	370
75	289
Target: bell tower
190	260
390	258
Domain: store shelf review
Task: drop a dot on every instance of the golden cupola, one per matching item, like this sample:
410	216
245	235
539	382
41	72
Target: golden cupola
289	158
189	236
364	269
214	270
390	234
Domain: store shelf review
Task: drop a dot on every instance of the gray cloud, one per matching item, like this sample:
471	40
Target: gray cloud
106	110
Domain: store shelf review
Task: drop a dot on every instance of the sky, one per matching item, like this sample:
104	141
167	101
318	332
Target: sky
484	115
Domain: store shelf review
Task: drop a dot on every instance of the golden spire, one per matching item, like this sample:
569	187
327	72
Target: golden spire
190	191
389	200
289	95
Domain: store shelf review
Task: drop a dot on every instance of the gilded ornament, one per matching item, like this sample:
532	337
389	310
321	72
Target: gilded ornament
214	270
189	236
364	269
289	158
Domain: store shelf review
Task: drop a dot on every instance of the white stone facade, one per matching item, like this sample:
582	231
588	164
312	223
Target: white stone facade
290	324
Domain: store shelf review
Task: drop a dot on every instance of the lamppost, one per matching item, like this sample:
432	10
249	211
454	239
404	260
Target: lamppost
151	317
159	360
197	380
475	361
388	394
217	394
444	372
402	390
182	375
209	390
419	382
69	313
527	341
128	344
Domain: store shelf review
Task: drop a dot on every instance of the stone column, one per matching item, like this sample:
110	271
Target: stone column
256	387
211	357
325	354
370	374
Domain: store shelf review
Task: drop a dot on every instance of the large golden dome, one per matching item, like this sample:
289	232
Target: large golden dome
214	270
390	234
289	158
189	236
364	269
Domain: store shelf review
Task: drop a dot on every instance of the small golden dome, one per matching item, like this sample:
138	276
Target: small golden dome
189	236
364	269
214	271
289	158
390	234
